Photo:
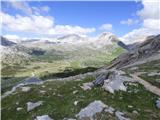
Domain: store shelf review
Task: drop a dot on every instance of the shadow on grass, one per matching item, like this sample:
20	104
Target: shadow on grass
67	73
8	82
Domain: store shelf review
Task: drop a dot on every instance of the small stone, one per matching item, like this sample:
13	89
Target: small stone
120	116
26	89
17	103
43	86
76	91
87	86
158	103
43	117
42	91
135	112
19	108
110	110
130	106
76	102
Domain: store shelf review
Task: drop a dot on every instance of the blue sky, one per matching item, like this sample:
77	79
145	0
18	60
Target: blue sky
114	14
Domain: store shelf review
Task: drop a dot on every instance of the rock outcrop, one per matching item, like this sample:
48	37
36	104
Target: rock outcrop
146	49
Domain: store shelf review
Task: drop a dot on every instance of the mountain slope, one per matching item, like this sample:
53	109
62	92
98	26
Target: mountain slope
147	49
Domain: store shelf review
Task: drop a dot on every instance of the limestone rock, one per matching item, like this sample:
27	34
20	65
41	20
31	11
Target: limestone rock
87	86
120	116
43	117
88	112
31	105
26	89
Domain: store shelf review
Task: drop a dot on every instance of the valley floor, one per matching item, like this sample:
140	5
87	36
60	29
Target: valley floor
66	98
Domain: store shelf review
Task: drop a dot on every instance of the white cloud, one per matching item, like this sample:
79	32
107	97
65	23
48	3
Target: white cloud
129	22
150	9
138	35
21	5
67	29
106	26
26	8
150	14
31	23
151	23
150	17
11	36
45	8
40	24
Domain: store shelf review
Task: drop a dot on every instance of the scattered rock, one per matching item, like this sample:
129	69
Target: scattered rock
76	91
120	116
76	102
130	106
43	117
19	108
42	91
43	86
87	86
17	103
69	119
59	95
135	112
134	68
110	110
154	74
26	89
158	103
91	109
31	105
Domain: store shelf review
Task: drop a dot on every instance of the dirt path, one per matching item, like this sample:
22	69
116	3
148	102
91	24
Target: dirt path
146	84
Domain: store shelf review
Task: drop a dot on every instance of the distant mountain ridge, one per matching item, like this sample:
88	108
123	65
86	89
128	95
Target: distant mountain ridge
6	42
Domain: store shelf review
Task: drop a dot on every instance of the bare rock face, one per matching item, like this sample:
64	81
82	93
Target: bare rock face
151	46
31	105
91	110
43	117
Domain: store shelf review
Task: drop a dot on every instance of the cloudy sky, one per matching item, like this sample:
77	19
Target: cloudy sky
40	19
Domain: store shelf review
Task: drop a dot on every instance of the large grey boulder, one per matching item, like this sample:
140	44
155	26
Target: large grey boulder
116	82
88	112
100	79
31	105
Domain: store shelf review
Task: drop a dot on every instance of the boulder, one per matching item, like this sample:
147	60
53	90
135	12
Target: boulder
100	79
88	112
31	105
87	86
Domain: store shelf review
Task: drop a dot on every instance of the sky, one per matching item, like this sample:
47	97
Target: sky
47	19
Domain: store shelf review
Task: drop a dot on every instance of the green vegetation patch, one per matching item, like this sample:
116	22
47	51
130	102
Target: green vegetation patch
59	101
